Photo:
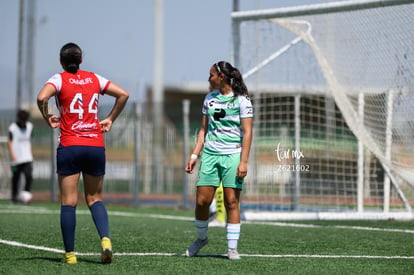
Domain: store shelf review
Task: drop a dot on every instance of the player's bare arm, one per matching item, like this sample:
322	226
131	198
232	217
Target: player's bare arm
43	97
121	98
198	146
246	124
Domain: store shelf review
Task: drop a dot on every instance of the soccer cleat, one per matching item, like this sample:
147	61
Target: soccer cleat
70	258
106	252
195	247
232	254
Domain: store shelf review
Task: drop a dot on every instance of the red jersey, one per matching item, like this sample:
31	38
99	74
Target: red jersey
77	99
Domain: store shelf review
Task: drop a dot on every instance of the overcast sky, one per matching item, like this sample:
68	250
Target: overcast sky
117	39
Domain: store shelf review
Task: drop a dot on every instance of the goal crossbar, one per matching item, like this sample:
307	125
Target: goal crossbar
315	9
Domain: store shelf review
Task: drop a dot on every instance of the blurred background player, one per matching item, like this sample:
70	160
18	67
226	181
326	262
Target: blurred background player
20	150
225	139
217	209
81	149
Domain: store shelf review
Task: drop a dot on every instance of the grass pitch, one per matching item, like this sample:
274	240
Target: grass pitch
153	241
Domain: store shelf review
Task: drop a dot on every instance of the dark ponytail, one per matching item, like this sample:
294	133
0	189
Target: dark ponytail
71	57
233	78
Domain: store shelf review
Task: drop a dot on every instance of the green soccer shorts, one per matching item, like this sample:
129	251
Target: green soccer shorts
216	168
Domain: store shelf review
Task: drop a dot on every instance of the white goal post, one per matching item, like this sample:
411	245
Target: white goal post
5	173
333	91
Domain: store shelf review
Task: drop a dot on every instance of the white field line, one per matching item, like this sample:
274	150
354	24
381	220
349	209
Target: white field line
35	247
332	226
42	210
54	250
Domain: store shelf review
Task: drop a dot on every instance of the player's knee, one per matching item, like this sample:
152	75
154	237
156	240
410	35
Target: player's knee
202	202
69	201
232	204
91	200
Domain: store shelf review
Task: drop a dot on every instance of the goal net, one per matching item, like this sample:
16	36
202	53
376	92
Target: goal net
333	91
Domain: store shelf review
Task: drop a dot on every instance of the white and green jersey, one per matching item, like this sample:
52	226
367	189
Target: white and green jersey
224	134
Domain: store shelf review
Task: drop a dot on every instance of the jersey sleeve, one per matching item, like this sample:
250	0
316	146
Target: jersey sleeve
56	81
204	110
103	83
246	107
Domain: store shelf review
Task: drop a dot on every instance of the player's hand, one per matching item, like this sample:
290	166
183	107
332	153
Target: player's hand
242	170
106	125
189	168
54	121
